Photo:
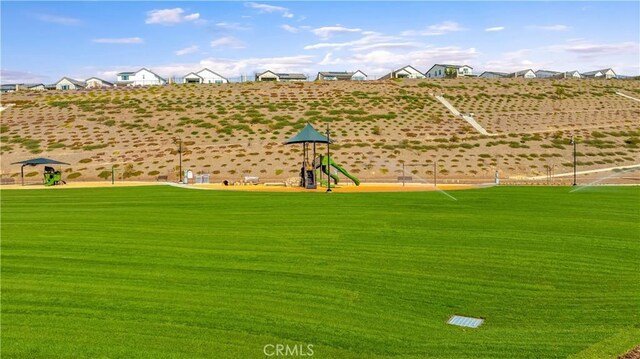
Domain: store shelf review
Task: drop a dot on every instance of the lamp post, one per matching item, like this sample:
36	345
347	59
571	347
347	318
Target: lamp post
179	141
435	174
328	162
573	142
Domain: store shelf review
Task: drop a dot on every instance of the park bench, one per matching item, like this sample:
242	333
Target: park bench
162	178
7	181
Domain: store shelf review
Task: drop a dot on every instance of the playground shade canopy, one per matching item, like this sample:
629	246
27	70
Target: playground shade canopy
308	134
35	162
39	161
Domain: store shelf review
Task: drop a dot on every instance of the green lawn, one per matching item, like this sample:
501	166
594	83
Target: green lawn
163	272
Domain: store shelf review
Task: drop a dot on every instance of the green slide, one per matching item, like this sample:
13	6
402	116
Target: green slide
325	168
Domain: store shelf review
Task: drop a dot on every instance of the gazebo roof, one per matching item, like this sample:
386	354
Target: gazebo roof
40	161
308	134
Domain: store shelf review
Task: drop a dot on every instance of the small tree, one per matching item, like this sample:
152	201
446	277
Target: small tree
451	73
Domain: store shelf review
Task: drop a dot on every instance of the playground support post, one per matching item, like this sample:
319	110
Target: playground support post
435	174
179	141
328	161
113	174
573	142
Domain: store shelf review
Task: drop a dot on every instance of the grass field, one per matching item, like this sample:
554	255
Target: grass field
163	272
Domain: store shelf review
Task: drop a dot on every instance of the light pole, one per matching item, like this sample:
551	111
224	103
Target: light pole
435	173
328	162
573	142
179	141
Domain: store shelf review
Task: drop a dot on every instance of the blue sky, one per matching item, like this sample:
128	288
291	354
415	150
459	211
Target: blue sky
43	41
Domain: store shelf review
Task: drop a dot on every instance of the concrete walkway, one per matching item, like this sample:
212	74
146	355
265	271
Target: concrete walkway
2	108
470	120
567	174
629	97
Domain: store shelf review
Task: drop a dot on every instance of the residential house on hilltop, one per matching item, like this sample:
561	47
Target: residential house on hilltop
493	75
443	70
31	87
204	76
283	77
598	74
142	77
407	72
527	74
545	74
95	82
67	83
341	76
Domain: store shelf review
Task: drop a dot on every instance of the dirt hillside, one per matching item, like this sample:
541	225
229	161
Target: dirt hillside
233	130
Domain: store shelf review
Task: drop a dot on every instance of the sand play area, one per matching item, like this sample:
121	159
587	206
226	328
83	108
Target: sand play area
368	187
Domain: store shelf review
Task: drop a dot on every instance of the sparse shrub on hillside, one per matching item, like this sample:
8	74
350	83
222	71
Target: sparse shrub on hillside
105	175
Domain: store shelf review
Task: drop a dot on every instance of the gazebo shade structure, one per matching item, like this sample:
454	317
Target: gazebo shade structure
35	162
308	135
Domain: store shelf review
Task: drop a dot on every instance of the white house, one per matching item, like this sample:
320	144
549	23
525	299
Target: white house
546	74
30	87
493	75
66	83
527	74
572	75
34	87
341	76
95	82
283	77
204	76
440	70
407	72
599	74
142	77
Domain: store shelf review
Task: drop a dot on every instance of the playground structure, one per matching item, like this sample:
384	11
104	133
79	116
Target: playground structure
311	172
52	177
323	164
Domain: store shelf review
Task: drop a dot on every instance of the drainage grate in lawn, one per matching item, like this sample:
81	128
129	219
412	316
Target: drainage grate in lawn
465	321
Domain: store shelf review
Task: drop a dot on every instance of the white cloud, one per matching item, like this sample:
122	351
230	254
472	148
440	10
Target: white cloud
436	29
60	20
228	41
354	45
289	28
300	63
9	76
232	26
517	60
188	50
169	16
270	9
326	32
549	27
382	61
594	49
123	40
495	28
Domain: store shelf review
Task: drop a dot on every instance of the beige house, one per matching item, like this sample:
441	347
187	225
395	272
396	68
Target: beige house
95	82
407	72
67	83
282	77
